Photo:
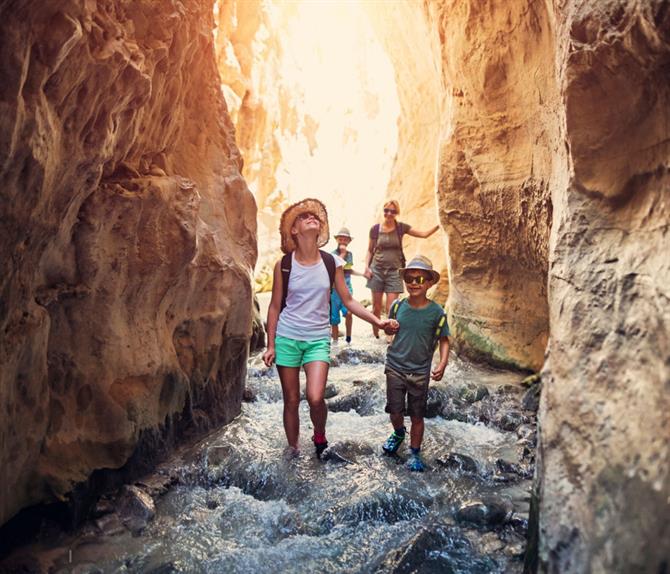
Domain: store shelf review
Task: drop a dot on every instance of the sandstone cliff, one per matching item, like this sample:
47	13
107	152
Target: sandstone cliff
128	238
554	164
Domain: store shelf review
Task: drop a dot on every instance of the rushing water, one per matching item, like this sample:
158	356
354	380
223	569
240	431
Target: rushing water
236	502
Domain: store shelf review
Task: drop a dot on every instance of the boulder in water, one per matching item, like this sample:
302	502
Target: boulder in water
135	508
458	462
488	513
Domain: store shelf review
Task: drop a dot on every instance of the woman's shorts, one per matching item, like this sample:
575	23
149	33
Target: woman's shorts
414	386
385	280
294	353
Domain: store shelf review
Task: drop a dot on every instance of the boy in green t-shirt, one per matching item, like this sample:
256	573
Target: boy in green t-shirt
408	360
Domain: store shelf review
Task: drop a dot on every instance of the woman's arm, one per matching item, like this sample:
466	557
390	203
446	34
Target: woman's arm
368	259
423	234
273	314
354	306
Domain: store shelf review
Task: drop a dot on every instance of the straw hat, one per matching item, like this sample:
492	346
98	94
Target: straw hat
343	232
288	219
421	263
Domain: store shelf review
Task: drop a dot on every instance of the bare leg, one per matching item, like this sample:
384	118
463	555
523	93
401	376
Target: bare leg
317	374
416	432
376	309
348	322
397	420
335	332
290	386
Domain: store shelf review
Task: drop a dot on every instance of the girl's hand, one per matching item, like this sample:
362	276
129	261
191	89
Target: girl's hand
269	356
392	327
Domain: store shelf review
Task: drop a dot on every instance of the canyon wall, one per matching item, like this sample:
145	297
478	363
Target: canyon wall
604	472
553	187
414	48
498	146
128	239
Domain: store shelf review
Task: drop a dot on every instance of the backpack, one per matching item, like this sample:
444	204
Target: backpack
285	267
393	313
374	235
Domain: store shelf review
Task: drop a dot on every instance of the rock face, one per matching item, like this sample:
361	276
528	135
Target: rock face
554	163
497	154
128	238
604	479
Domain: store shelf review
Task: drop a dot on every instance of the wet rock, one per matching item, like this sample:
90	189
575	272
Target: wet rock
109	525
359	400
452	412
531	398
458	462
135	508
508	390
519	523
531	380
212	503
333	456
435	402
351	356
249	395
485	513
436	548
472	393
510	421
507	467
527	432
217	454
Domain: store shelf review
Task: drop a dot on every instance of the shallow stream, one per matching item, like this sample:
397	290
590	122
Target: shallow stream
236	502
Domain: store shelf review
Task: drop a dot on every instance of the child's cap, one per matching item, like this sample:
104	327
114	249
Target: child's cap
421	263
343	232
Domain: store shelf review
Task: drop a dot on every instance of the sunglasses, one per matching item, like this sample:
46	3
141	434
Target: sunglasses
391	211
307	215
418	279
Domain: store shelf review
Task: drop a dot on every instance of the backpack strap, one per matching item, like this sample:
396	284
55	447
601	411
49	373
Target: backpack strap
438	329
285	267
393	311
374	235
329	262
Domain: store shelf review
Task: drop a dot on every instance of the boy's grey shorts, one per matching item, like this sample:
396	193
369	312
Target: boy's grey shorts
414	386
385	280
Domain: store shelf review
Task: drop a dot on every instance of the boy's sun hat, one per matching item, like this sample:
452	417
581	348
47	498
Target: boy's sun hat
344	232
421	263
309	205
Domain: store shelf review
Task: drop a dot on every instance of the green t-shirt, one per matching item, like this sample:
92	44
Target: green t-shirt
413	346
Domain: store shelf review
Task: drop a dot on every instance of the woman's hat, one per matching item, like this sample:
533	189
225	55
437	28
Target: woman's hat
308	205
421	263
343	232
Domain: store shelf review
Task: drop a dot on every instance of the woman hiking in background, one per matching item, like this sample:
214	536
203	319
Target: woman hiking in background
385	258
298	325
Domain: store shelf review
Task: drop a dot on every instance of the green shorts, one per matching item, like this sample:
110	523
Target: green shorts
294	353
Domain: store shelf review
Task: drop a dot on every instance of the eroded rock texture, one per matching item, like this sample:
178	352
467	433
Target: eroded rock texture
554	162
128	236
605	443
497	154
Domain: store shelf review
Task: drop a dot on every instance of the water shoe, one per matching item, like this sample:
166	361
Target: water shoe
393	442
415	464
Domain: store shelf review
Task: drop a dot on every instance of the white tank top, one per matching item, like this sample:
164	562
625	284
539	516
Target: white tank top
306	316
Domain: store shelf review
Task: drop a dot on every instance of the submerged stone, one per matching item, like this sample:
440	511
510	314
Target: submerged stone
485	513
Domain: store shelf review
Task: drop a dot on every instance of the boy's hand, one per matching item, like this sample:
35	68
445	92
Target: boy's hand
438	372
269	356
392	327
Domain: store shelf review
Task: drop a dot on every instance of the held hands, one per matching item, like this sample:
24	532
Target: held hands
438	372
367	273
269	356
392	327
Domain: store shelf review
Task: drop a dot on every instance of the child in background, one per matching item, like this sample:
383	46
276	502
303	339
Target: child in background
422	323
343	238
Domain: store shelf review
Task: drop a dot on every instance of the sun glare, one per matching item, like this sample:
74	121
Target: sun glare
339	143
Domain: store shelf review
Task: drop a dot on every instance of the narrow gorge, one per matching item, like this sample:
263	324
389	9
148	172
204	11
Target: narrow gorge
147	151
